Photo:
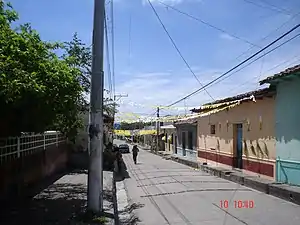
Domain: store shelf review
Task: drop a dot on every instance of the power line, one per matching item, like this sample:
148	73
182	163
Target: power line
108	58
177	49
208	24
272	68
276	7
266	7
113	46
129	42
272	32
273	49
243	62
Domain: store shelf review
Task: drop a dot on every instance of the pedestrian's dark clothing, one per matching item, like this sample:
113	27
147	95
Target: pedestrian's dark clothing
135	151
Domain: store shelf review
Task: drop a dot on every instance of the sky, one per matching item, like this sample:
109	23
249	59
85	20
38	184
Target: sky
147	65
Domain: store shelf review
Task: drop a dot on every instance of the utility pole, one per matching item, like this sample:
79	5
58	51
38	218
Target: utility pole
120	96
115	102
95	175
157	129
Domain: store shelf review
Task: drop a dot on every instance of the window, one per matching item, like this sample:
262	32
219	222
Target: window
212	129
190	140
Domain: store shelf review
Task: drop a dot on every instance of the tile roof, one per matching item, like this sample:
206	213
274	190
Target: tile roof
285	73
265	92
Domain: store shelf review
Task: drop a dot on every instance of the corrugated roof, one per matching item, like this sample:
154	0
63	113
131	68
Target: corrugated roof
295	70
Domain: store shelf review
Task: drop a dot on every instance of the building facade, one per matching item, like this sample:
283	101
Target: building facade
82	139
186	138
287	108
239	132
169	137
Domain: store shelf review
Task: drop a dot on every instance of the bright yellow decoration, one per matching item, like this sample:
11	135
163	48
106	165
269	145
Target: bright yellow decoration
147	132
122	132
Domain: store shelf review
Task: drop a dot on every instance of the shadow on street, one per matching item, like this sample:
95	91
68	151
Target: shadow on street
54	202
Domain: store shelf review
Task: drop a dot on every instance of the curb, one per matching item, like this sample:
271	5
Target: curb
283	191
125	206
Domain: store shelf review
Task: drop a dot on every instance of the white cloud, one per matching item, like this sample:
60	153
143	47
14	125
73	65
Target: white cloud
226	36
146	91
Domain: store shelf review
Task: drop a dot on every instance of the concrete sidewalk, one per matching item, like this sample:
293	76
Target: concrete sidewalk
166	192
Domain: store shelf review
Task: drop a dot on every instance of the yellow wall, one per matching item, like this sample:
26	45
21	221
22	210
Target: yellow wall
222	141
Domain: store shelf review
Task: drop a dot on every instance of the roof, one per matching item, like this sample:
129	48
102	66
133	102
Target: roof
248	96
188	120
295	70
168	127
212	110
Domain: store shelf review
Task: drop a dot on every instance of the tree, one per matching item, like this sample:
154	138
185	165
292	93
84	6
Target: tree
38	90
79	56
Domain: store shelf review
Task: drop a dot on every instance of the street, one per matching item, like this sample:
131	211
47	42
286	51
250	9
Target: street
170	193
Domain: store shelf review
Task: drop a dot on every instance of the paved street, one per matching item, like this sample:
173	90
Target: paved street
170	193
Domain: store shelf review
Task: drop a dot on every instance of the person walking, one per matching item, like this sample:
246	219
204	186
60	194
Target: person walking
135	151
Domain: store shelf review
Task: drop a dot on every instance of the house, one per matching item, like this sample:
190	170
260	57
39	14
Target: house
186	137
81	142
169	132
238	132
287	129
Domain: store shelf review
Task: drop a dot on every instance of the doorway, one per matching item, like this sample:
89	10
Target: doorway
238	146
175	145
183	143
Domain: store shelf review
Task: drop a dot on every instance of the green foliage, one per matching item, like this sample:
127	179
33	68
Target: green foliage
38	90
133	126
79	56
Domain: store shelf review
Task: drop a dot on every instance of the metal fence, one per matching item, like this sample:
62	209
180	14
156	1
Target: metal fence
16	147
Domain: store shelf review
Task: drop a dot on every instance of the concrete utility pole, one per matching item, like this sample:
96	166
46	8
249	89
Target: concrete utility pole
95	176
157	130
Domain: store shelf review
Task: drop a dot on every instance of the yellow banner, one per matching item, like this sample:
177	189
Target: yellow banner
122	132
146	132
140	132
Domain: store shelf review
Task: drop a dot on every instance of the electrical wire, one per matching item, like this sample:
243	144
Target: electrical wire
113	47
273	49
266	7
274	6
243	62
177	49
272	68
271	33
108	57
207	24
129	42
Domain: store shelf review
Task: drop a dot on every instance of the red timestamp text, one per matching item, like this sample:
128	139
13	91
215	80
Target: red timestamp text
239	204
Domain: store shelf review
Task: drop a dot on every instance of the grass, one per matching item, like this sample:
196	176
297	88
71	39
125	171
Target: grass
92	218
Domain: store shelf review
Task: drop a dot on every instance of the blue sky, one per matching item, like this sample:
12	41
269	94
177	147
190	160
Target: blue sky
148	68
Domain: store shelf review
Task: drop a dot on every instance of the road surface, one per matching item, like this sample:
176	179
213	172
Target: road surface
167	192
